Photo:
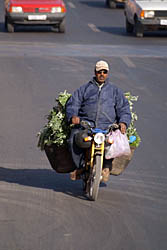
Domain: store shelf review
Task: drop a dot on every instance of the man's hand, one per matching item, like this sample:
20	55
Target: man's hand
75	120
122	127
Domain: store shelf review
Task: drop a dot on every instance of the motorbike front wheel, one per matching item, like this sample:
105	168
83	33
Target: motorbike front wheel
95	178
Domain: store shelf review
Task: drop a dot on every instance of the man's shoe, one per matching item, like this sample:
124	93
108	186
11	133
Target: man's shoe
76	174
105	174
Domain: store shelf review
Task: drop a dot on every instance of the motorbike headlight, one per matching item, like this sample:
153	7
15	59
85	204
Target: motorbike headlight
56	10
99	138
147	14
16	9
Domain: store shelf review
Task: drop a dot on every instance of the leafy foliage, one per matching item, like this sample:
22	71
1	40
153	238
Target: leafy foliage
132	129
56	130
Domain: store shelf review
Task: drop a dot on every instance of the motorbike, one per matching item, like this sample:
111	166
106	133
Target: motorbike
95	140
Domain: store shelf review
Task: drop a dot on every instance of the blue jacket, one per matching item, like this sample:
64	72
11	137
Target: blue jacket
101	107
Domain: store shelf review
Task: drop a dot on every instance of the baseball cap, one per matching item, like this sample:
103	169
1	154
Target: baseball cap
101	65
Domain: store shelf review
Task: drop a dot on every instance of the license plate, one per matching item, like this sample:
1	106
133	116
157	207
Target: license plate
37	17
163	22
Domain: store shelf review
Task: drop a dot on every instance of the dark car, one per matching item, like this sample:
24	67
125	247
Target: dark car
113	3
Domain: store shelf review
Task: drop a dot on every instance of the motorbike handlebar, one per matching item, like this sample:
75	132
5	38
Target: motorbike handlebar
87	125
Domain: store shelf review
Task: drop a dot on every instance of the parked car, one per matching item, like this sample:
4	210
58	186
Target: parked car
145	15
35	12
113	3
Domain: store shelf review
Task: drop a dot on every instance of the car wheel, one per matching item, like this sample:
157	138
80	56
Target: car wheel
61	27
107	3
129	26
111	4
138	29
5	22
9	26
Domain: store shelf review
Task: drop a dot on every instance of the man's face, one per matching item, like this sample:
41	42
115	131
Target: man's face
101	75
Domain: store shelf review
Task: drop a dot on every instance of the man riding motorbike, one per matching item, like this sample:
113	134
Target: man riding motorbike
101	104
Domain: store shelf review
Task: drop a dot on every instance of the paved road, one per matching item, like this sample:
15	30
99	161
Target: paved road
42	210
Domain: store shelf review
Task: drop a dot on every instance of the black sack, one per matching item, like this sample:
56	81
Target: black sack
60	158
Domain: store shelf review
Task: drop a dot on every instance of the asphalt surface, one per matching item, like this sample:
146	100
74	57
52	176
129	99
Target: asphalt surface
43	210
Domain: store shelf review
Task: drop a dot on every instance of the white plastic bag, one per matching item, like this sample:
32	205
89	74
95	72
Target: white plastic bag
119	147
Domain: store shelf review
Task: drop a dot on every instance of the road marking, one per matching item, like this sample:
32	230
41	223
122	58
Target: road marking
71	5
93	27
67	235
128	62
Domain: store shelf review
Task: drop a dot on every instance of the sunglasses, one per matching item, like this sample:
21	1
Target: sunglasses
102	71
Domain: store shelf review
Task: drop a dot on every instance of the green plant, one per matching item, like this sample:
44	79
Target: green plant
132	131
56	129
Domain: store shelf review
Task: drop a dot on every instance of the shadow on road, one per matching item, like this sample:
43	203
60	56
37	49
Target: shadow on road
30	28
43	178
120	31
95	4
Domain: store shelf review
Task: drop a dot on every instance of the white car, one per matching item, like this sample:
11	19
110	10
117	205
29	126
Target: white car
143	15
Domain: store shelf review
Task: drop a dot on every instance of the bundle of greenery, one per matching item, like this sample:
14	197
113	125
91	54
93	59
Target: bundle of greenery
57	130
132	131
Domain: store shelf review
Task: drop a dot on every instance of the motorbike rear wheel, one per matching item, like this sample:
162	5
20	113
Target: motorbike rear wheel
95	178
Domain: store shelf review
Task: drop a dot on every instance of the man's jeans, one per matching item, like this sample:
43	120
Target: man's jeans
76	152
